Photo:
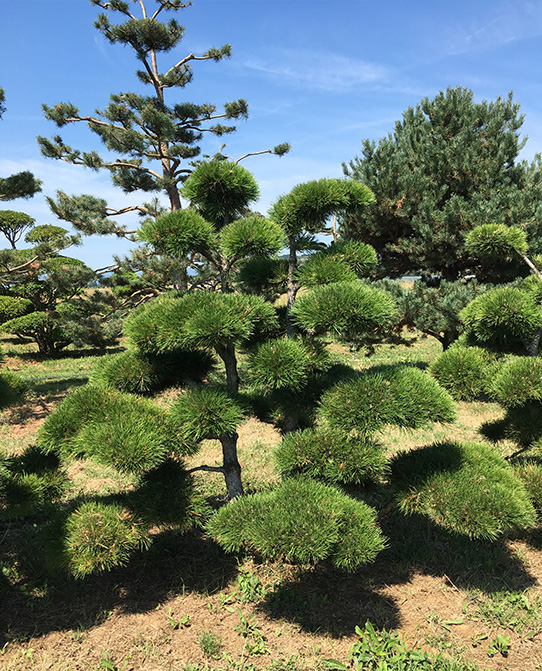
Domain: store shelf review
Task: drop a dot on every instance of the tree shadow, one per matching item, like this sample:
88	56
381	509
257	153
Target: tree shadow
36	601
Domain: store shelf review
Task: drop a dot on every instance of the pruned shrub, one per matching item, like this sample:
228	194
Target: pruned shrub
322	269
167	496
128	371
29	480
404	396
251	236
99	536
463	371
179	232
11	307
501	317
301	521
96	421
518	382
264	276
332	456
41	327
346	309
12	389
531	476
466	488
206	413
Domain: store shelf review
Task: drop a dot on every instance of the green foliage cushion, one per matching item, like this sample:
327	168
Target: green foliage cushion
346	309
209	320
359	256
518	381
501	316
531	476
264	276
12	388
324	269
29	480
178	233
301	521
286	363
127	432
99	536
330	455
403	396
221	190
496	242
463	371
11	307
127	371
206	413
251	236
167	496
466	488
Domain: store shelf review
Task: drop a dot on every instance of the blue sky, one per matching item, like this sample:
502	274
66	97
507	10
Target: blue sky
320	74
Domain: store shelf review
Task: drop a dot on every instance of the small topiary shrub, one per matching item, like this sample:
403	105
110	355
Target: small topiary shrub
502	317
518	382
403	396
466	488
531	476
301	521
330	455
99	536
167	496
463	371
11	307
323	269
12	389
41	327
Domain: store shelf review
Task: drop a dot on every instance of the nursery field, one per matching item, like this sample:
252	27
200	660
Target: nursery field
185	605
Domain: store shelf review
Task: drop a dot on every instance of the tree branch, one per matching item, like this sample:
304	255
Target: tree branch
209	469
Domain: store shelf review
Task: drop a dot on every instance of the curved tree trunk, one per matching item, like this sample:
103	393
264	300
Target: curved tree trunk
292	286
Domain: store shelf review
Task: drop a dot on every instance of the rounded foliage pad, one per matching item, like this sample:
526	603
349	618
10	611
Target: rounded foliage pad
519	381
330	455
463	371
302	522
466	488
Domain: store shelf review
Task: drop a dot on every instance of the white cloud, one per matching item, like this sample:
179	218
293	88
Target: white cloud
321	70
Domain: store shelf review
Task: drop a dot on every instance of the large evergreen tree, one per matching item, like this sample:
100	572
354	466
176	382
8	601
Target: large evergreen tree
449	165
154	141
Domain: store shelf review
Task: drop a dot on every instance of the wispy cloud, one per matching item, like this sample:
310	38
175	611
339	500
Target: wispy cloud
318	69
511	22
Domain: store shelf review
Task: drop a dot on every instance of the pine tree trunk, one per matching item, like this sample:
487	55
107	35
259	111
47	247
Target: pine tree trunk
232	469
292	286
534	343
227	354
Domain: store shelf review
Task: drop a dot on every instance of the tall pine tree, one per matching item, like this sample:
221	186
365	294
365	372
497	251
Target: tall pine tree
450	164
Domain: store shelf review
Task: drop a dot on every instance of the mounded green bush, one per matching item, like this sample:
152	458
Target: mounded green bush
330	455
403	396
463	371
324	269
496	242
251	236
11	307
264	276
12	389
205	413
531	476
99	536
518	382
179	232
502	316
97	421
167	496
41	327
128	371
466	488
28	481
301	521
346	309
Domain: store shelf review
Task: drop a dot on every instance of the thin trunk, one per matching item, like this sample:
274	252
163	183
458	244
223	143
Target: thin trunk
232	469
292	286
533	344
291	423
227	354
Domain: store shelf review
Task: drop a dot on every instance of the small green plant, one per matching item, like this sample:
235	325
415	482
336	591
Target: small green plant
210	643
499	645
183	622
248	628
249	588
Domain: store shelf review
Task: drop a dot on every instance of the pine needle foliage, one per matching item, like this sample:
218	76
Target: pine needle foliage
301	521
530	474
324	269
206	413
282	363
518	382
331	456
251	237
99	536
346	309
12	388
179	232
168	497
404	396
502	316
466	488
496	242
463	371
